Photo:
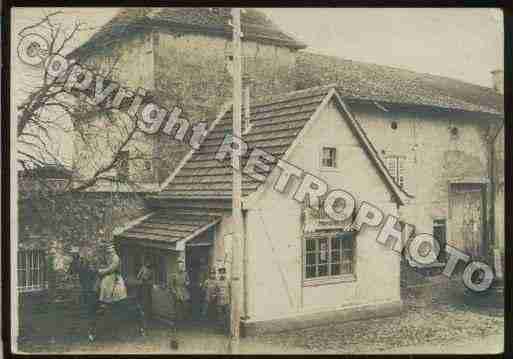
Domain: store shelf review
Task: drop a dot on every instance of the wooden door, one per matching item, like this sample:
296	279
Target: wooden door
467	219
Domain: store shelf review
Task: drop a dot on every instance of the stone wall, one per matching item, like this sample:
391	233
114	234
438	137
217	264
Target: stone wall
439	148
191	72
130	63
59	222
499	194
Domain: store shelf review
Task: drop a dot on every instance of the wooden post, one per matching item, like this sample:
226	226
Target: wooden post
237	238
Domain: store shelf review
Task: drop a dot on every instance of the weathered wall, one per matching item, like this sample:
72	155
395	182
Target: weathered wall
274	234
98	145
60	222
499	191
130	63
433	155
191	73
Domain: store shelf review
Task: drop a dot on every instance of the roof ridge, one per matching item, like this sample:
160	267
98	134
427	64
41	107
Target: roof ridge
392	67
266	99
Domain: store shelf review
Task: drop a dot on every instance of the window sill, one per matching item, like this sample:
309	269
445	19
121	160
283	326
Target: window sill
38	290
329	169
316	282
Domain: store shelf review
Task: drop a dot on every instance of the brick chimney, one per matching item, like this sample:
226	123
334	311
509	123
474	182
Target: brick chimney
498	81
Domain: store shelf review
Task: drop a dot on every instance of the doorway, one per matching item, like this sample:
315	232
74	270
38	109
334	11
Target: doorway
197	260
468	208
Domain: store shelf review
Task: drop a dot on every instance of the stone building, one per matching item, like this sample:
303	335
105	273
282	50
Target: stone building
434	134
182	57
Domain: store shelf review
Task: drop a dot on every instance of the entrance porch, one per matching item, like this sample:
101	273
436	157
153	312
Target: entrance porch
165	238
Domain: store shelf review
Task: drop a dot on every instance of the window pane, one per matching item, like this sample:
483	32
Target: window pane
329	157
347	242
323	270
335	243
335	269
323	250
21	278
310	272
310	244
347	268
310	259
335	256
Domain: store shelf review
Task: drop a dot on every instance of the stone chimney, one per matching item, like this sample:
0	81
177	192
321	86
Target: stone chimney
246	84
498	81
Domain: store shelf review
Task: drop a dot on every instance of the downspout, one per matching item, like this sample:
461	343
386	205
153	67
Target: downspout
491	218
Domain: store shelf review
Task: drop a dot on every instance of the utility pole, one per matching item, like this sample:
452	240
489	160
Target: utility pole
238	229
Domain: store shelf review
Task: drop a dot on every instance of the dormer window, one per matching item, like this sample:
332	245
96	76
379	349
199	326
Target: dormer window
329	157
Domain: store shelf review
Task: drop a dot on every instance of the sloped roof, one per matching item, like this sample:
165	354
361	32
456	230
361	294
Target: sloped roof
276	122
365	81
169	226
255	25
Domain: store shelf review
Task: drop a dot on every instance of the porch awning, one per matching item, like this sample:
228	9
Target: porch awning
169	229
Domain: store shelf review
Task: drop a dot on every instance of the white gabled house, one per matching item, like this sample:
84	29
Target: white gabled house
297	271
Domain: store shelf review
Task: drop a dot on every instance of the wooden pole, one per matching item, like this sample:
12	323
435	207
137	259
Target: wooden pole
238	231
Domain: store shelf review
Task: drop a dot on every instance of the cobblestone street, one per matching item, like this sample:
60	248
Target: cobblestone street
436	328
438	325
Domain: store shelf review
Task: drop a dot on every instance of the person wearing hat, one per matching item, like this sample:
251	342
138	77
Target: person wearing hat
145	276
112	285
84	268
209	288
179	288
223	299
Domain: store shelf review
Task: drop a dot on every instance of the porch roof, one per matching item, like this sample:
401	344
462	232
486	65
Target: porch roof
169	227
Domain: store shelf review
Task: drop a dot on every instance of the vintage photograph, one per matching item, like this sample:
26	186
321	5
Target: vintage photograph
195	180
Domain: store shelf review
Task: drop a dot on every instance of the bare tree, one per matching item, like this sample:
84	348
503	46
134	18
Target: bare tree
49	110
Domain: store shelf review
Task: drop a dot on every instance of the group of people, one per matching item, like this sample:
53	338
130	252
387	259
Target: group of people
206	298
103	288
215	296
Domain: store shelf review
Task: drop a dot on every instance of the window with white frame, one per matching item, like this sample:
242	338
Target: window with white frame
329	255
395	165
31	270
329	157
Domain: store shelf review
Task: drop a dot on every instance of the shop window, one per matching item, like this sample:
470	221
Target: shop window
329	255
31	270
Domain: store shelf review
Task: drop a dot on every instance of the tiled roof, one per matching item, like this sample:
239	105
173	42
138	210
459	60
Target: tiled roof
275	123
169	226
365	81
255	25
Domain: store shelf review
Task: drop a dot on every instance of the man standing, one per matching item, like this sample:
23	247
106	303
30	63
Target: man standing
88	296
223	300
145	276
179	288
209	296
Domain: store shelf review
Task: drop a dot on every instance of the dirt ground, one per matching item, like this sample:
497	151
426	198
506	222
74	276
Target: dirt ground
452	323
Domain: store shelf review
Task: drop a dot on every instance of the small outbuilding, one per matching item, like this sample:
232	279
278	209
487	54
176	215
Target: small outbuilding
300	268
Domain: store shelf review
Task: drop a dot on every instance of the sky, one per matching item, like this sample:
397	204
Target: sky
461	43
465	44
